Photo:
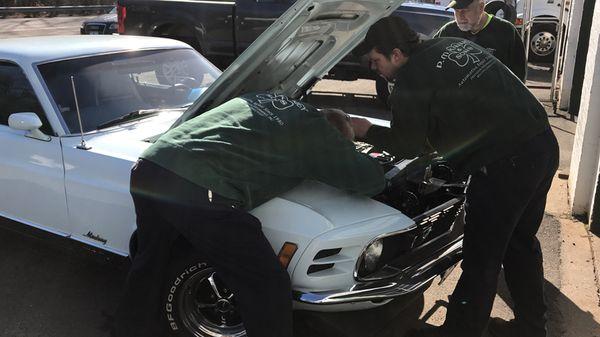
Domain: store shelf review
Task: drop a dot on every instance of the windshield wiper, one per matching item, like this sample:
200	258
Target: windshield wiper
142	113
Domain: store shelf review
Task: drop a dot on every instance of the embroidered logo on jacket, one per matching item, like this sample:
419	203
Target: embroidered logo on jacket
462	53
279	102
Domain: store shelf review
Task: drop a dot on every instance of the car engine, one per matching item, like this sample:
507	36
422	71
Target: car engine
427	190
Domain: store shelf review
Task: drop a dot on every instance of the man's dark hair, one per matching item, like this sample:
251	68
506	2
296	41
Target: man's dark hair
387	34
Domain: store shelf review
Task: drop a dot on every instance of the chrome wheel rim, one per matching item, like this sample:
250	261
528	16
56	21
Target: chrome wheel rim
208	308
543	43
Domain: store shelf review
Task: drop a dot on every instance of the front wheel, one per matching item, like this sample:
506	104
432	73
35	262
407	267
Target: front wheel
197	303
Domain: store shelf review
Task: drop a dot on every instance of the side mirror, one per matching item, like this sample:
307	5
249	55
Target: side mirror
27	121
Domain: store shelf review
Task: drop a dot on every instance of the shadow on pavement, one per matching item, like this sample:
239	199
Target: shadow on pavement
559	307
48	288
390	320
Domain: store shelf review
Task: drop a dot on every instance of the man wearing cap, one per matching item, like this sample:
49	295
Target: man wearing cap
199	180
455	97
496	35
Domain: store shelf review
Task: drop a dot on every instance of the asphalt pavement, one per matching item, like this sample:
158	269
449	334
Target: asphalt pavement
61	25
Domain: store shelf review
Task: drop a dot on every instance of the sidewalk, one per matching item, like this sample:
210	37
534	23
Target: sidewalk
571	257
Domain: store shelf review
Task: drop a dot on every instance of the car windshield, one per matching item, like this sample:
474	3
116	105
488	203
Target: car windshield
113	11
112	86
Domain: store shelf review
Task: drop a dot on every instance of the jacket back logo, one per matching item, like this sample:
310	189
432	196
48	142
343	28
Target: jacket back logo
462	53
279	102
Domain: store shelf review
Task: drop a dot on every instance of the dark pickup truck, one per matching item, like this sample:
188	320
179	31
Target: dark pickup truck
221	30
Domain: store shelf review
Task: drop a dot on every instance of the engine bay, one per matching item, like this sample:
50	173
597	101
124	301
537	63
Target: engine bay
415	186
427	190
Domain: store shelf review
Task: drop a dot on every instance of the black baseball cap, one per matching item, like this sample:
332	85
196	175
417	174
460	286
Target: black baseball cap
391	30
459	4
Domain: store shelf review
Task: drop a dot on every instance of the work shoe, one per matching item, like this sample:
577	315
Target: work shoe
498	327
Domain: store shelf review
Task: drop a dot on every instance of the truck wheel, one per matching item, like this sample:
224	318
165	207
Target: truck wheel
196	302
543	43
502	10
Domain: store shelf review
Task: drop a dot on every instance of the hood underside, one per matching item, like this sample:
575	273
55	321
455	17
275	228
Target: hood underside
296	50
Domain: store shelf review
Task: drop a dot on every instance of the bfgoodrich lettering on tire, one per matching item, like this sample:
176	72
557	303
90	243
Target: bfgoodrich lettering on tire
198	304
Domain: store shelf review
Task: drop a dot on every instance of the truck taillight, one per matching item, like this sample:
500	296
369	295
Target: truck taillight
122	15
519	22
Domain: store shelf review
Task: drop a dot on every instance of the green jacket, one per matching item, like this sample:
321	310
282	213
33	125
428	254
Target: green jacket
455	97
258	146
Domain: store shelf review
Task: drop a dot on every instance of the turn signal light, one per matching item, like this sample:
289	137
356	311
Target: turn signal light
286	253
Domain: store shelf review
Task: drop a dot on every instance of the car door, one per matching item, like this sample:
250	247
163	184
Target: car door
254	16
31	170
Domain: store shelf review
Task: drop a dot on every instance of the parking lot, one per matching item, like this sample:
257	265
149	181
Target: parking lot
49	288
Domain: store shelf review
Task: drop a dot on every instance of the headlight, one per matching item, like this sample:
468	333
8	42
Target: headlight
371	257
113	26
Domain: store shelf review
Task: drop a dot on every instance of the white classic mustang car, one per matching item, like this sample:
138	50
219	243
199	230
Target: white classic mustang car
76	112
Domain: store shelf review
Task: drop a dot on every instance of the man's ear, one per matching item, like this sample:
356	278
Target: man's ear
398	56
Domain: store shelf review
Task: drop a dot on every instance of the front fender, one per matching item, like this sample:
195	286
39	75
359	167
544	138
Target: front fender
341	249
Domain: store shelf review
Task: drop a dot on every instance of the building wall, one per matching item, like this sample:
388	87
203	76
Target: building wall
585	159
570	53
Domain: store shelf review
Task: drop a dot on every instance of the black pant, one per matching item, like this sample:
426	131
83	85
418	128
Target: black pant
231	240
505	207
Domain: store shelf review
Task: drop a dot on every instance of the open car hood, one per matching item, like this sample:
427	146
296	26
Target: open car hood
296	50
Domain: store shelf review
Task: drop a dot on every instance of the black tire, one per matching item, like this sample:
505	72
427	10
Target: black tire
543	42
383	89
502	10
192	308
133	245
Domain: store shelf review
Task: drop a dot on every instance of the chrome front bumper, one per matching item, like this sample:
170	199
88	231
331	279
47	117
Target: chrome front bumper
404	283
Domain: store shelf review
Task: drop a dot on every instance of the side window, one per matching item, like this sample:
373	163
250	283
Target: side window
16	95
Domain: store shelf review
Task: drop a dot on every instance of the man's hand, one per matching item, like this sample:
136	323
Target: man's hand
360	126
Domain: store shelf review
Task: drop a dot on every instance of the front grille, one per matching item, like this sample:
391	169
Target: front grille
435	223
434	231
94	28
